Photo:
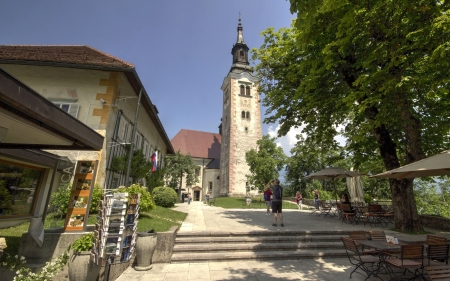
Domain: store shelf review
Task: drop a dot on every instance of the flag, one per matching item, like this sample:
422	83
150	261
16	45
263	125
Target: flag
154	160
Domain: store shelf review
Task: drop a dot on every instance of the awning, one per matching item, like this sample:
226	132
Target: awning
30	121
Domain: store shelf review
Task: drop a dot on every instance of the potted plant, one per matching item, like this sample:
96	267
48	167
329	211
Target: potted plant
81	267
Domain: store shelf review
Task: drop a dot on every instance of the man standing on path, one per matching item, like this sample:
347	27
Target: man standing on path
277	201
189	199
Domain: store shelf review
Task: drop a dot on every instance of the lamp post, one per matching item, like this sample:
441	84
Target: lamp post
130	156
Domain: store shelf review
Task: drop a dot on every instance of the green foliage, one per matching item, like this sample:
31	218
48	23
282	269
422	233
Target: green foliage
24	273
146	203
429	201
60	199
97	194
165	196
140	166
156	178
179	165
5	196
84	243
118	163
264	163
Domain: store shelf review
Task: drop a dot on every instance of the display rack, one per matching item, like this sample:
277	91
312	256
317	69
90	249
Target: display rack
115	233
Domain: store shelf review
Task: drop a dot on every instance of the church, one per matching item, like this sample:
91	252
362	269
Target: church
220	157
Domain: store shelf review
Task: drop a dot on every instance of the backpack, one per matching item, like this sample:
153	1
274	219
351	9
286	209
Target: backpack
277	192
266	196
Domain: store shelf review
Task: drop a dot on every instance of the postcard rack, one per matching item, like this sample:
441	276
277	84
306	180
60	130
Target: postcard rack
115	233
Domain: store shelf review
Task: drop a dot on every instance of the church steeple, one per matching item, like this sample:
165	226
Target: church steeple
240	53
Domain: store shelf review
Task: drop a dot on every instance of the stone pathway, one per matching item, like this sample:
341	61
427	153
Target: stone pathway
206	218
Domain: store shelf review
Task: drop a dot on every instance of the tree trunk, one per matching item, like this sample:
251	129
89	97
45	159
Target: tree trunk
406	217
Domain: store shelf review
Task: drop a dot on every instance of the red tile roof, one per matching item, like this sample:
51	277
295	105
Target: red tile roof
59	54
197	144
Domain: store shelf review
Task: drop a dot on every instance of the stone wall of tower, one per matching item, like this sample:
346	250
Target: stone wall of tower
239	134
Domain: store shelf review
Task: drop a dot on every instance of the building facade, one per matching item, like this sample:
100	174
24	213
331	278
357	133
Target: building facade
100	91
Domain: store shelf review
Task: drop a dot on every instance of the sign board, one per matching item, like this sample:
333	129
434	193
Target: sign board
80	196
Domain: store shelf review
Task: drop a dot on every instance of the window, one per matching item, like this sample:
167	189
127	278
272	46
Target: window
138	142
71	108
242	90
241	54
145	150
243	114
248	115
19	188
210	186
247	90
197	171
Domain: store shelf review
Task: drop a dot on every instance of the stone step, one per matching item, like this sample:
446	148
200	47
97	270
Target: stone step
255	239
212	247
270	255
264	233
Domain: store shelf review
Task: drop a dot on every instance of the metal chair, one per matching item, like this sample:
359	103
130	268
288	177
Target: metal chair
369	264
377	235
434	239
361	235
438	273
411	258
437	254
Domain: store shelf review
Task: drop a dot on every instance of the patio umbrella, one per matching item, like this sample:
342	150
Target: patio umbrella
333	173
437	165
355	189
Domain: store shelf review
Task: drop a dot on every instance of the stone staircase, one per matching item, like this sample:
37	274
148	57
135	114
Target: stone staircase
226	246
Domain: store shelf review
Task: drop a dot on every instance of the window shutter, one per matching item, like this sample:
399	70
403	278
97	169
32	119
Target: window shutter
73	109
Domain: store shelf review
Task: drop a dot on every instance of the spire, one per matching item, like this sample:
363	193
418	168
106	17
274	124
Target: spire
240	52
240	35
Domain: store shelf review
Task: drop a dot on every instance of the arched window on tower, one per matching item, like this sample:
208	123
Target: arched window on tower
242	90
241	54
247	90
243	114
248	115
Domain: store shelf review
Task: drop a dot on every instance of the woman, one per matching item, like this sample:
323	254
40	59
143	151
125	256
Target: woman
316	198
299	199
345	200
267	197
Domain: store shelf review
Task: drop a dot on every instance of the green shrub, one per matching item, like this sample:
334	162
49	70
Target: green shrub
84	243
146	204
60	199
97	194
165	196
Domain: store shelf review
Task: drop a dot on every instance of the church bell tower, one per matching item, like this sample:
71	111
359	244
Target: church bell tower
241	119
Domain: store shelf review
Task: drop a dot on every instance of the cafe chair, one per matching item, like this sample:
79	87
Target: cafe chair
436	254
361	235
377	235
438	273
368	264
434	239
410	260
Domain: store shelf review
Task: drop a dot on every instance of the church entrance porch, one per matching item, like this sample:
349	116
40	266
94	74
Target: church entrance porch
196	195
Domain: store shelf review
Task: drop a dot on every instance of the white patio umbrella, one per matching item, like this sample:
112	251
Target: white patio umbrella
333	173
436	165
355	189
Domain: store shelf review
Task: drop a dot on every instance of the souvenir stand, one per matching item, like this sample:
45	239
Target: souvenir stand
115	234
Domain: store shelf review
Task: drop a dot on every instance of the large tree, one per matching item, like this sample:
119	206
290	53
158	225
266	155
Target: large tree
177	166
378	69
265	162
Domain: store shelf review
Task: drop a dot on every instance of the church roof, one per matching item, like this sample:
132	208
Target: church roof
198	144
61	54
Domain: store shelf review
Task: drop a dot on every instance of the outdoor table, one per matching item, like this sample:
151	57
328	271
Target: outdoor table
383	247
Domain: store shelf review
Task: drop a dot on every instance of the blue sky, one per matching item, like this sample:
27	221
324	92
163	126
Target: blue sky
181	48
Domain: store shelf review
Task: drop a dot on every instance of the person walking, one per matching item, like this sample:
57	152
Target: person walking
189	198
316	198
277	201
267	197
299	199
207	198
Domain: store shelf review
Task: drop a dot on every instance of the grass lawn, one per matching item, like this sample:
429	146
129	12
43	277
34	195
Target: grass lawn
161	219
240	203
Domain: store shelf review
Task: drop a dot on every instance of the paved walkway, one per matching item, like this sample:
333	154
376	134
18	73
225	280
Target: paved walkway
201	217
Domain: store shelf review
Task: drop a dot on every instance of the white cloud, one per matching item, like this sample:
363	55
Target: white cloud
288	141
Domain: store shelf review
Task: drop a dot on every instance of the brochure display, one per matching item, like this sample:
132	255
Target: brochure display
115	234
80	196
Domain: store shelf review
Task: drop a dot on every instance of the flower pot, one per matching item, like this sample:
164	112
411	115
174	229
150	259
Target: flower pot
145	247
81	268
